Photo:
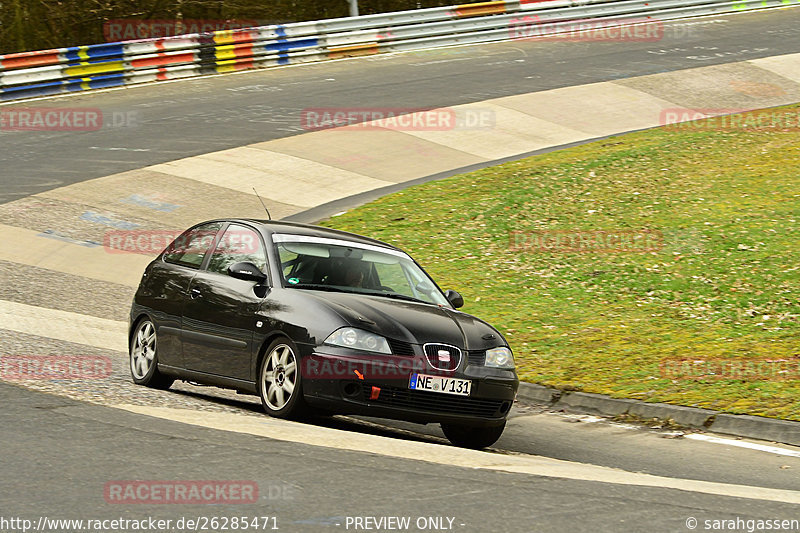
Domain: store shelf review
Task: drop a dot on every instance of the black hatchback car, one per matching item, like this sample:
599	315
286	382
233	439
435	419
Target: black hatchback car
313	319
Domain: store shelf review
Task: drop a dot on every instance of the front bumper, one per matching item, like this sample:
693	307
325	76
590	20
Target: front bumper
379	387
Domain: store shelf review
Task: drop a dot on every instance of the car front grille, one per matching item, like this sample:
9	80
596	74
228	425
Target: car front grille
434	401
443	356
401	347
476	357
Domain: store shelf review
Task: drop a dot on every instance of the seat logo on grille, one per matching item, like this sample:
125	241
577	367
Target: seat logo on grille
442	356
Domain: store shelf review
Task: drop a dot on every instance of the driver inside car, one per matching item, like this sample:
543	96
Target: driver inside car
347	272
354	277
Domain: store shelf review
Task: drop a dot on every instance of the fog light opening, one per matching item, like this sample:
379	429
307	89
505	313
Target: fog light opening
351	389
506	407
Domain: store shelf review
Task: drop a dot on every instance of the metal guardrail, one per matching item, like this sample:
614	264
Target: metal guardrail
79	68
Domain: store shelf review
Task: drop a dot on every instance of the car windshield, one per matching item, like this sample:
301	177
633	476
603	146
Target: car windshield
342	266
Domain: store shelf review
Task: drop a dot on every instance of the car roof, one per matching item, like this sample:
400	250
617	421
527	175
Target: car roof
309	230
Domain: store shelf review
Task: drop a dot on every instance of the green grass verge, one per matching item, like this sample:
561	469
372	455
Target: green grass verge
723	283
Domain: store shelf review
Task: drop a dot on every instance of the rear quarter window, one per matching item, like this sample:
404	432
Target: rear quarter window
191	247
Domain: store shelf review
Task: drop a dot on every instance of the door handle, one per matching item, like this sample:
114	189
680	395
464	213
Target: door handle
194	293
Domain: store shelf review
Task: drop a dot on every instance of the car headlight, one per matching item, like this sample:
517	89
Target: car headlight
500	358
358	339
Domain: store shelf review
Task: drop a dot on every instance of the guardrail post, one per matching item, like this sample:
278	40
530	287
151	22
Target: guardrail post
353	8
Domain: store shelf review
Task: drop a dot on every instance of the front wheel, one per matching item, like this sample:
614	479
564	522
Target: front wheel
279	381
475	437
144	358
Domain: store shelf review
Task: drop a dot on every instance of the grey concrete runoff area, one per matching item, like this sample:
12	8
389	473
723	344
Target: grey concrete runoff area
568	461
756	427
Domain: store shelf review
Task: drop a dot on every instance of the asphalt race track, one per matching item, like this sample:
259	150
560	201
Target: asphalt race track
73	449
63	444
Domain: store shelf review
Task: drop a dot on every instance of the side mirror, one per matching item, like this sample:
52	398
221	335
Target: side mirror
454	298
246	271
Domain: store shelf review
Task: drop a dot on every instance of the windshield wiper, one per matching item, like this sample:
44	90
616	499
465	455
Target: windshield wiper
337	288
398	296
319	287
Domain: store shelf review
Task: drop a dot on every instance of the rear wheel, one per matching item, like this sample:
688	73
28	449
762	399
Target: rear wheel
144	357
280	380
475	437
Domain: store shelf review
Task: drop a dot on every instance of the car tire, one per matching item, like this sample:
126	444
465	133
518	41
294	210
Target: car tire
280	381
474	437
143	351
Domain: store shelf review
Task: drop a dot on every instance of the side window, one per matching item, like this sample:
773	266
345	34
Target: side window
289	261
238	244
191	247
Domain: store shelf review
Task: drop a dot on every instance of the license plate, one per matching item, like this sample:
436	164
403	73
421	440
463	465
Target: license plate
460	387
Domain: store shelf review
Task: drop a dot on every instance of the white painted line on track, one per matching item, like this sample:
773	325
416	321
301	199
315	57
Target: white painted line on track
703	437
589	419
64	326
119	149
743	444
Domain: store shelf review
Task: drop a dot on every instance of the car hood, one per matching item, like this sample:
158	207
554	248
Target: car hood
412	322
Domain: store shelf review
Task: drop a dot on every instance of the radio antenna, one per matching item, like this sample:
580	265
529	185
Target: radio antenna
262	203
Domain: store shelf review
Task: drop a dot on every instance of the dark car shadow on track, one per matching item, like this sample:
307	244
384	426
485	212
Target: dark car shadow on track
244	402
395	429
251	404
